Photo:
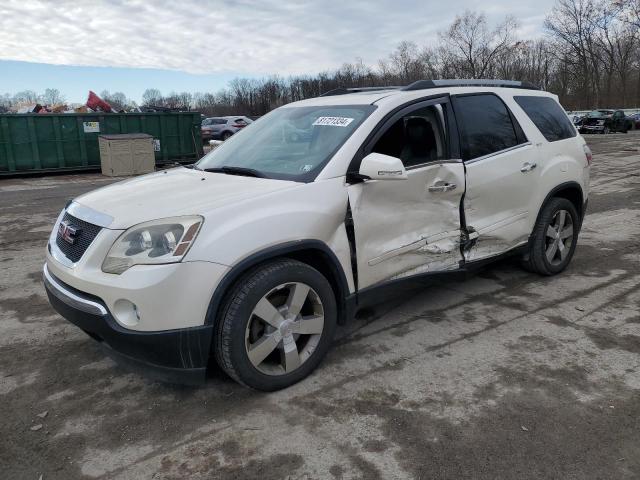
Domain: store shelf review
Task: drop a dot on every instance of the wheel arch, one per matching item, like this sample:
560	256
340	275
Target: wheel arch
572	191
314	253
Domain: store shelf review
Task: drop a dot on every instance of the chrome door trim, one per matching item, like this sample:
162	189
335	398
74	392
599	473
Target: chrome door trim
489	155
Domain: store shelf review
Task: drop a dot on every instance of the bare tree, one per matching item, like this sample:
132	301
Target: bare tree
151	96
26	96
573	26
117	100
630	11
474	47
52	96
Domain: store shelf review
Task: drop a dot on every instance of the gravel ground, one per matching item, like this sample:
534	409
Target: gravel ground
504	375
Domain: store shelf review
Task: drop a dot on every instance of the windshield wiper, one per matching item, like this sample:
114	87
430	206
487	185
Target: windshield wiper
246	172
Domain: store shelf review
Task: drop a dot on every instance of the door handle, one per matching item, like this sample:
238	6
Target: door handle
527	167
444	187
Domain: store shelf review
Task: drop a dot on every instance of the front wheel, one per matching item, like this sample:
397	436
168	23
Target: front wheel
554	238
277	325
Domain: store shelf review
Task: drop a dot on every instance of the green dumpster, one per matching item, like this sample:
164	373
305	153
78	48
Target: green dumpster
35	143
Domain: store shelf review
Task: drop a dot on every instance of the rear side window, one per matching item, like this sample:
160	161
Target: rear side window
548	116
485	125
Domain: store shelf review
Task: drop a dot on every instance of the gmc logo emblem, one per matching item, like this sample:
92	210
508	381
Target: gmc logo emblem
68	232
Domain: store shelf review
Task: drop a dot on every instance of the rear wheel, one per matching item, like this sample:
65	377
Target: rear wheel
554	238
226	135
277	325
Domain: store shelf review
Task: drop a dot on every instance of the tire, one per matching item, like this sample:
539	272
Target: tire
606	131
542	258
226	135
267	290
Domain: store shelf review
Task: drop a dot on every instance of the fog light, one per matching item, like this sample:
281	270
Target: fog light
126	313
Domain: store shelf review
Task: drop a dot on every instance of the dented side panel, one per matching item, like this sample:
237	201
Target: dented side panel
402	228
497	201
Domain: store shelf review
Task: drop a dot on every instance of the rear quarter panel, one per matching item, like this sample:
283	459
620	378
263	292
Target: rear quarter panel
558	162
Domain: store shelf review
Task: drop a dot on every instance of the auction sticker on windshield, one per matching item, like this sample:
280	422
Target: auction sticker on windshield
333	121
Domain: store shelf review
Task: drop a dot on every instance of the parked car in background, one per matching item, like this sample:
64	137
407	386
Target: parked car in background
605	121
577	120
254	254
221	128
634	118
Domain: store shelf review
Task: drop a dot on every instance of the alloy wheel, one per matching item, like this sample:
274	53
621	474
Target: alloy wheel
284	329
559	237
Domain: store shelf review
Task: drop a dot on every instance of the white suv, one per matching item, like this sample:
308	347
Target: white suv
254	254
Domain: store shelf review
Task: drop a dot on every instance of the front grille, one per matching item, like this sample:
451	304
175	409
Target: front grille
85	235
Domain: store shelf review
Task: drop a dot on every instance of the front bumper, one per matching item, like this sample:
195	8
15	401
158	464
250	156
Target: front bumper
591	128
175	356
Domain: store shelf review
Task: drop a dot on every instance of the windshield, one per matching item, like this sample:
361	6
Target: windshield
289	143
599	113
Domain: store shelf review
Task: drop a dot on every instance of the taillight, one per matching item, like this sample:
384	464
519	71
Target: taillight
588	155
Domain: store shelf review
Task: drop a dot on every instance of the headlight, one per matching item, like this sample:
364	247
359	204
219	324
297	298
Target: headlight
600	122
160	241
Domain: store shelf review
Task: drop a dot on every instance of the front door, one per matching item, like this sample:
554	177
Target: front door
412	226
618	120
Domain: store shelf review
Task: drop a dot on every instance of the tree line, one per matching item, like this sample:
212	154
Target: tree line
589	56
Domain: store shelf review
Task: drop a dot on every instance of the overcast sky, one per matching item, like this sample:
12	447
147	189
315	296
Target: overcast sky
199	45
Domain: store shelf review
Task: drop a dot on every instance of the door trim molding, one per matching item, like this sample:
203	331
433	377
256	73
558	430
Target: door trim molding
499	152
418	244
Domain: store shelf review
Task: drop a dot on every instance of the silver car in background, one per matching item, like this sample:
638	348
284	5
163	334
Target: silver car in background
221	128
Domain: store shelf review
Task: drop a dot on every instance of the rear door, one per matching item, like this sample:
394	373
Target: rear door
408	227
218	124
502	173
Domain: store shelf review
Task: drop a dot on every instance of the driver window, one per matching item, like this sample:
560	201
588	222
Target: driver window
416	138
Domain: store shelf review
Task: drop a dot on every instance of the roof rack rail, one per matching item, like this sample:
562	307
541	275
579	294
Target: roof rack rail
424	84
344	91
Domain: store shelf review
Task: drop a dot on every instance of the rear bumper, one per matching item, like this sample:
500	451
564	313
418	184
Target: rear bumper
175	356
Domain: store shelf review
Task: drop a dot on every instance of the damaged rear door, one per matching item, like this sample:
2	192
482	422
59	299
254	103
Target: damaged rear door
502	171
412	226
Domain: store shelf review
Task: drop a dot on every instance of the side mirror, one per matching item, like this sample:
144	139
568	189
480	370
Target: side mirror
377	166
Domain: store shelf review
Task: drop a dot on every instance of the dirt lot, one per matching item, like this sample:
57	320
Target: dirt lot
506	375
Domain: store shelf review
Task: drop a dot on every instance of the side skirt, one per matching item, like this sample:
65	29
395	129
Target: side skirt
385	291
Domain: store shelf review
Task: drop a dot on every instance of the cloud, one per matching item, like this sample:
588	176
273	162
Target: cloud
240	36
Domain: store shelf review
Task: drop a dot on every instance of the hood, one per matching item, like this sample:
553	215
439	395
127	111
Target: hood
179	191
